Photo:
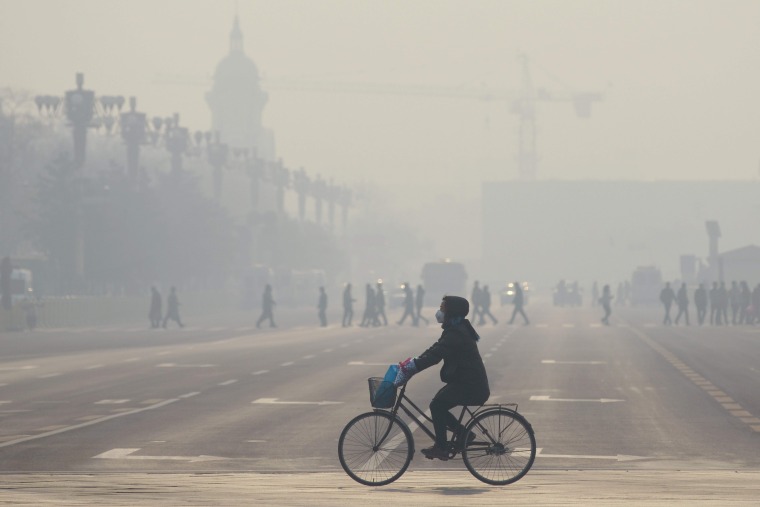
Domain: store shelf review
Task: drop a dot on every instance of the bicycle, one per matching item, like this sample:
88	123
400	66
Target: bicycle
375	448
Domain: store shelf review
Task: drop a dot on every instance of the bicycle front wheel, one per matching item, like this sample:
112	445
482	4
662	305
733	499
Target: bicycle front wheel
375	448
501	447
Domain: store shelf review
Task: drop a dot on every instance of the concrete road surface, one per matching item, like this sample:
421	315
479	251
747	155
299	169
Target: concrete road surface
222	413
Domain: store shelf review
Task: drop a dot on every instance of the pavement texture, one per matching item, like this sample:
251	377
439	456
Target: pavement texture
423	488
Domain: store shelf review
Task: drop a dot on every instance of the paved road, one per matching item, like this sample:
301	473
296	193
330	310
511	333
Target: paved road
222	396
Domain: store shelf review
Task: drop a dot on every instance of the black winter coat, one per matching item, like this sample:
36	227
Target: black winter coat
462	363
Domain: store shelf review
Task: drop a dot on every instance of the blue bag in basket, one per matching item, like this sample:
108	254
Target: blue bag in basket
386	392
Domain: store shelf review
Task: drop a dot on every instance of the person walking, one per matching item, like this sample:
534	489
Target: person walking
700	301
155	312
172	311
408	306
380	306
606	302
267	307
476	298
734	296
419	302
682	299
745	301
348	306
322	307
519	301
485	308
714	305
667	296
369	316
723	302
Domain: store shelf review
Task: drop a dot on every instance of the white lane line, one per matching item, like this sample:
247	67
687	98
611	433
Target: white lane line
85	424
175	365
16	368
487	355
554	361
343	345
617	457
5	401
94	367
189	395
310	356
228	382
260	372
126	454
49	375
595	325
289	363
362	363
327	350
275	401
597	400
111	402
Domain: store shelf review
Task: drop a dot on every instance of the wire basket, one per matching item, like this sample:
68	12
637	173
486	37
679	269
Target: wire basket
382	394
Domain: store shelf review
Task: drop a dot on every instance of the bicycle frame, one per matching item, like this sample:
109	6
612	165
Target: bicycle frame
465	409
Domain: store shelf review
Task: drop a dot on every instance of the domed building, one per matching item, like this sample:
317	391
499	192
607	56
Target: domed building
237	100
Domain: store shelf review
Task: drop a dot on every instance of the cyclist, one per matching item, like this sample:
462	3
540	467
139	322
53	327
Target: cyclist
463	372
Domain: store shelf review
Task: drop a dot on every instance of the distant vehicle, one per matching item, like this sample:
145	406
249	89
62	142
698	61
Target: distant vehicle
507	294
646	283
21	285
443	278
567	294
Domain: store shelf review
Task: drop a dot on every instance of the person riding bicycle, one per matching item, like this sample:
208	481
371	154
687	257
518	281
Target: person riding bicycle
463	372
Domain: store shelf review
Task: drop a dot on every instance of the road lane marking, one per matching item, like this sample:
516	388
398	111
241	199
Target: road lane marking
17	368
275	401
127	454
94	367
617	457
175	365
188	395
310	356
597	400
726	402
362	363
85	424
289	363
111	402
260	372
554	361
49	375
229	382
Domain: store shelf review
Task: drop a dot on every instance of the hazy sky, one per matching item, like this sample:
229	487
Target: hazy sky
680	78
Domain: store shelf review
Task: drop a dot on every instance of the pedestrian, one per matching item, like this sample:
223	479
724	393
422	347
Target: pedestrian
485	308
380	306
172	308
667	296
606	301
476	299
754	313
519	301
155	311
682	300
348	306
419	302
714	305
700	301
369	316
408	306
734	301
267	307
745	301
322	307
723	302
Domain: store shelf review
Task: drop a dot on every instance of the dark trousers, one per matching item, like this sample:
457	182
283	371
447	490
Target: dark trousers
667	320
348	315
322	318
683	310
450	396
518	309
701	312
266	314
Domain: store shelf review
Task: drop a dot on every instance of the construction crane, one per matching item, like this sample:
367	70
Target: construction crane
525	108
523	104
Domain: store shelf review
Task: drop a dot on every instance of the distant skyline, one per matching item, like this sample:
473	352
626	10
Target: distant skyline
680	80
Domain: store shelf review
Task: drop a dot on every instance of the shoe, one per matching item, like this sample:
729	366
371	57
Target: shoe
435	452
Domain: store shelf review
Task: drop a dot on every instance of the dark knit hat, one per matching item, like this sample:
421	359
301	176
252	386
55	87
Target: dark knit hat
456	306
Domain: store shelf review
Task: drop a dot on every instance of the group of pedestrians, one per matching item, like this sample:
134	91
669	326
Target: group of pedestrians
481	305
743	303
156	305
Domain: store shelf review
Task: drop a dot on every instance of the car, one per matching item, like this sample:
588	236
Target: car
507	294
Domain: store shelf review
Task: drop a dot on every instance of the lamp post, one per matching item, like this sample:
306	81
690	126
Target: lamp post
79	106
281	180
133	131
177	142
217	158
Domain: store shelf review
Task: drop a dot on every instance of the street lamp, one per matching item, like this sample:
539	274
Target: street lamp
177	141
133	131
217	158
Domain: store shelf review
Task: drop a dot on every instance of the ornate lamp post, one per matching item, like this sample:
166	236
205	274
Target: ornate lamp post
134	127
177	141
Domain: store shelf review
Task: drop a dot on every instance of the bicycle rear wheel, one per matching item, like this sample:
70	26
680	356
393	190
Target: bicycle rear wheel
503	448
370	459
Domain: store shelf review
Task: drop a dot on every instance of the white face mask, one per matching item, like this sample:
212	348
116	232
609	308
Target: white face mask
439	315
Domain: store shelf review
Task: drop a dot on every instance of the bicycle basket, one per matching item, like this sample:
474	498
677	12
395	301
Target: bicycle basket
382	394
